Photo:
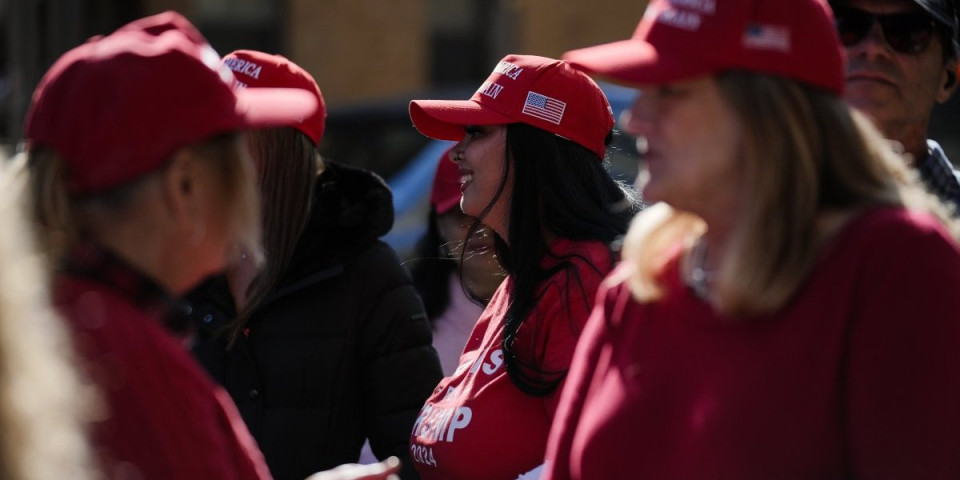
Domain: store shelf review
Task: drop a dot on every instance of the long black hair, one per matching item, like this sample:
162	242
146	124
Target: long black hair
563	189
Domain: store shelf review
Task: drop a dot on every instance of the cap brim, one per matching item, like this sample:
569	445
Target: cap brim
267	107
635	62
445	119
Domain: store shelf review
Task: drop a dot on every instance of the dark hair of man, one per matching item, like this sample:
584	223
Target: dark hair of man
431	270
947	42
948	33
562	189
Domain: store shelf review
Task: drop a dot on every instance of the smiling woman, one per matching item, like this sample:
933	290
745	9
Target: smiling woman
530	151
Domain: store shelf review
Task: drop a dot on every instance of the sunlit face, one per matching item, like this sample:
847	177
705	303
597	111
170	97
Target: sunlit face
481	158
896	89
692	140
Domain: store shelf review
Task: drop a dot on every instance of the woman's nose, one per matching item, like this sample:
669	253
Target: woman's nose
637	119
456	153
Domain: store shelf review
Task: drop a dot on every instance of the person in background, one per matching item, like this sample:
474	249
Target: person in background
45	404
455	282
902	60
530	153
327	344
140	187
787	308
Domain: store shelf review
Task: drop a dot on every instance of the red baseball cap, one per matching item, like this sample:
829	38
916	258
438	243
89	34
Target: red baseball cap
258	70
680	39
543	92
116	107
446	194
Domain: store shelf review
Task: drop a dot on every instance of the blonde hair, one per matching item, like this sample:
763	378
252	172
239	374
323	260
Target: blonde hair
44	405
58	216
805	152
49	203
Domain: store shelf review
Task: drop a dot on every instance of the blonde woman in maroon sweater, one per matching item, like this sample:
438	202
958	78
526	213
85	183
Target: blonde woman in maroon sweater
140	188
788	308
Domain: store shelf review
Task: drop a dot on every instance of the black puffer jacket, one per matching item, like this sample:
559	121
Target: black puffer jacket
340	351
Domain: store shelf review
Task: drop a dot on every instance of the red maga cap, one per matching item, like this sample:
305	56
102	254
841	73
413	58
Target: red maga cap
258	70
680	39
545	93
116	107
446	194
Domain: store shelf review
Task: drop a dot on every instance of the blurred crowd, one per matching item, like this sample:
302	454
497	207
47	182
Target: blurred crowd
191	291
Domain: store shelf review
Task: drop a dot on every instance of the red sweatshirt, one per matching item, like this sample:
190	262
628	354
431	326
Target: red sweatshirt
163	418
857	377
478	424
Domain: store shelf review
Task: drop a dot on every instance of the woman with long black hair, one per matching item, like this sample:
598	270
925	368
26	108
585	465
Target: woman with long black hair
530	155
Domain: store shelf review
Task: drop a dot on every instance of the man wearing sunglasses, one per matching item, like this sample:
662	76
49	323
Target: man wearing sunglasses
902	61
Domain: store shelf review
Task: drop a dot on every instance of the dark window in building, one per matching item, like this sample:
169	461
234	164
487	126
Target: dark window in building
34	33
248	24
466	38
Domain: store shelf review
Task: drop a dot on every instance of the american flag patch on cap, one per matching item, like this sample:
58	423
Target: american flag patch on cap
544	107
767	37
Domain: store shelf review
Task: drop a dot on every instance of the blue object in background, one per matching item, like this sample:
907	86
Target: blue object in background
411	198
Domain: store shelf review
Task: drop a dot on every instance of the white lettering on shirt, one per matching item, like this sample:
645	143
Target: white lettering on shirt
489	367
460	420
496	360
436	423
440	424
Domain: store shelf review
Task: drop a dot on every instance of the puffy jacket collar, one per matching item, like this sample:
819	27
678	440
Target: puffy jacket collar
351	208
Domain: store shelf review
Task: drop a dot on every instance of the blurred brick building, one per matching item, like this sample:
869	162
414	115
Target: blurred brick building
357	50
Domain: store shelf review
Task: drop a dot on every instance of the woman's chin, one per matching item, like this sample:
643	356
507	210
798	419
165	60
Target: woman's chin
650	193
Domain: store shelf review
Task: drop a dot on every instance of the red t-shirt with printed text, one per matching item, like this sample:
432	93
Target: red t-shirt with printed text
478	424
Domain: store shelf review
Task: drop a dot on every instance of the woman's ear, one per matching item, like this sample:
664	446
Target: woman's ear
180	192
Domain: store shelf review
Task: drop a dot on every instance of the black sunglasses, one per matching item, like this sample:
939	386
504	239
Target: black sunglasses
908	32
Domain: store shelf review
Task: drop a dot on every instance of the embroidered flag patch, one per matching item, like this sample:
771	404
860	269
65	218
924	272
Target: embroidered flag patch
767	37
544	107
